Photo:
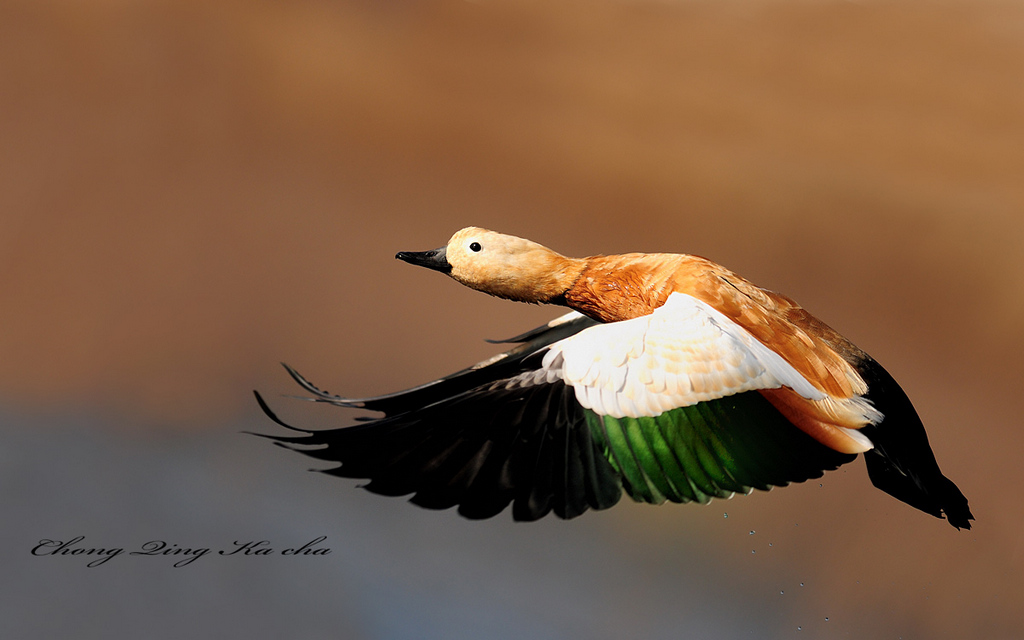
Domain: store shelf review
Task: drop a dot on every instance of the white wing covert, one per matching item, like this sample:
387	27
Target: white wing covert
684	353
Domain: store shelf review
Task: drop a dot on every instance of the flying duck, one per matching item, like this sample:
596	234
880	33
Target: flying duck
672	378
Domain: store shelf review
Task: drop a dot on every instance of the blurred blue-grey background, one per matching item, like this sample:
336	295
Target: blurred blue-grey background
191	192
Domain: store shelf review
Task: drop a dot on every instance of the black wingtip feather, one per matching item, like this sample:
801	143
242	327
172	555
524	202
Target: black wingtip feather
318	393
273	416
279	439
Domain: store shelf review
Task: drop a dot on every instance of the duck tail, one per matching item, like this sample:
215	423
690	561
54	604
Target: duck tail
902	463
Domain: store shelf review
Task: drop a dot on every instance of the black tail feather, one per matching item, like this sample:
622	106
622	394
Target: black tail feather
902	463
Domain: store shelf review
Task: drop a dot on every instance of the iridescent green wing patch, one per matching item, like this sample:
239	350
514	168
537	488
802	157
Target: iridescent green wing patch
710	450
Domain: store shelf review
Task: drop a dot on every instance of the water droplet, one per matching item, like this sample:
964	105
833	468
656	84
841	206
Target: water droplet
752	551
782	593
820	484
801	584
751	532
826	618
799	628
770	544
725	515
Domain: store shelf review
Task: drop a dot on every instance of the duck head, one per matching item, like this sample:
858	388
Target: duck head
501	265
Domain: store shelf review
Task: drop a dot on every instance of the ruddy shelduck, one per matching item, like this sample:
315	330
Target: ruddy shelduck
672	378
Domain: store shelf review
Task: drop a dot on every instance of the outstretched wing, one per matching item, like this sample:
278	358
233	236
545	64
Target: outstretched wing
514	430
506	364
457	440
685	353
480	450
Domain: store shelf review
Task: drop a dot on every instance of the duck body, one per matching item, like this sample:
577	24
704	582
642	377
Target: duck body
673	378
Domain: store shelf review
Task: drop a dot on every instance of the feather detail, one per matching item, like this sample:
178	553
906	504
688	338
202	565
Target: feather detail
693	352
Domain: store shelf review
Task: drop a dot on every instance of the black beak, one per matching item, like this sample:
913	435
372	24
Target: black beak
435	259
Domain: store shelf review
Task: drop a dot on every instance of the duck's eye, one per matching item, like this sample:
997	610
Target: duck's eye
475	246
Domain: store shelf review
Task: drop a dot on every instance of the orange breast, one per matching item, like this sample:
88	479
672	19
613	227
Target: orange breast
615	288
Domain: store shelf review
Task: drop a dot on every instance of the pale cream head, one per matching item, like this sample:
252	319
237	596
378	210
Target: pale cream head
509	267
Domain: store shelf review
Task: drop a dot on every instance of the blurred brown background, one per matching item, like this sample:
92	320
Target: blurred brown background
192	191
